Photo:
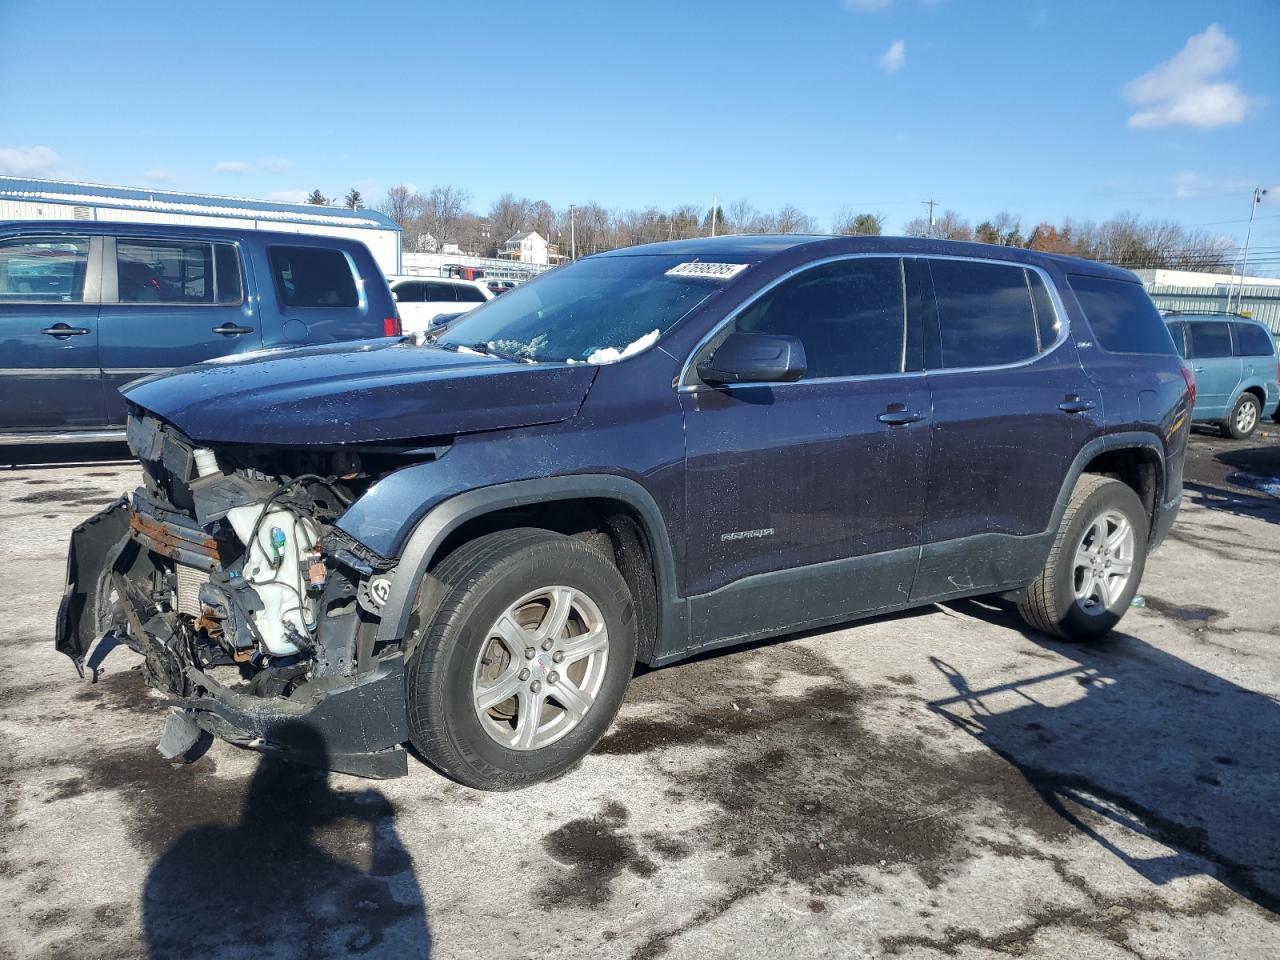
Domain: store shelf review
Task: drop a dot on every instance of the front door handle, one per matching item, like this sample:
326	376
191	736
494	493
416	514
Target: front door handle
897	415
232	330
1074	404
61	331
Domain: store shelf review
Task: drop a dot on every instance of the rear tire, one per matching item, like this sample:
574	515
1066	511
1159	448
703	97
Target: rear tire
505	590
1244	418
1095	565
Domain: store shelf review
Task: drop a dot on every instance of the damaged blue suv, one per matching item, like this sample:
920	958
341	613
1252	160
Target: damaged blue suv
467	543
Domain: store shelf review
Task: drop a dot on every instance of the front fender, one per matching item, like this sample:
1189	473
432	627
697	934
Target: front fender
436	525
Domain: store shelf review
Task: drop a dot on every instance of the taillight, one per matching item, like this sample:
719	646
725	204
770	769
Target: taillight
391	327
1190	377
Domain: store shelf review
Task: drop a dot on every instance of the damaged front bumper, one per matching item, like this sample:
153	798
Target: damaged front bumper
353	723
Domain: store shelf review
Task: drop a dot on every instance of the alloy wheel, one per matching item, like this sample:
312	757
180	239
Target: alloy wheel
1104	562
1246	417
541	668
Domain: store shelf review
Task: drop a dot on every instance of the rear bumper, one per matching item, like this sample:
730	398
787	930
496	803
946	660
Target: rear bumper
1166	516
353	724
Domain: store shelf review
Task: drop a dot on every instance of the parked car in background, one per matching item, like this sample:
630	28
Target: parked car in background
1234	360
88	307
469	542
499	286
420	300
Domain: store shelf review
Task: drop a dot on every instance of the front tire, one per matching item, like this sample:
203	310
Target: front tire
1244	418
1095	565
525	664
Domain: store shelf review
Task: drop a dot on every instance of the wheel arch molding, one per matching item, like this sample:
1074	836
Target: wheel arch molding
432	531
1139	441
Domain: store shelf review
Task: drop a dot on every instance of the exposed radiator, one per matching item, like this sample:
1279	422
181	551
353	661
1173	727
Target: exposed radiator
189	581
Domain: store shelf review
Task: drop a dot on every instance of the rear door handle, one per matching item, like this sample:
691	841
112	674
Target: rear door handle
1197	369
61	331
1074	404
232	330
897	418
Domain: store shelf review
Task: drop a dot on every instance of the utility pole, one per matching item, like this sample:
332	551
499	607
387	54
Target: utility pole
573	235
930	204
1258	194
714	209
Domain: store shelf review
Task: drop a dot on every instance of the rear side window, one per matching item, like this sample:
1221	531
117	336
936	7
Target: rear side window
409	292
1209	340
313	277
226	280
985	314
48	271
164	271
850	315
441	292
469	294
1122	316
1252	340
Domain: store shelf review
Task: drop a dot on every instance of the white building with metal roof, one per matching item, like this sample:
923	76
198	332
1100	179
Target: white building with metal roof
28	199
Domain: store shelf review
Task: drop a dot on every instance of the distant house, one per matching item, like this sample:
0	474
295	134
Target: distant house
527	247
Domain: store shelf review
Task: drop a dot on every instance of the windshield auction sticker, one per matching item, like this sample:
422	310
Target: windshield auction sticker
707	271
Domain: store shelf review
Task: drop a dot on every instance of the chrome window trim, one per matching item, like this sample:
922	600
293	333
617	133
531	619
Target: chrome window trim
688	382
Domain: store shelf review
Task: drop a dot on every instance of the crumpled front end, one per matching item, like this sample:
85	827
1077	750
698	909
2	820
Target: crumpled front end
252	612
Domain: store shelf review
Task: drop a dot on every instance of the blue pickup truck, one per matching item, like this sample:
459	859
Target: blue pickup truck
88	307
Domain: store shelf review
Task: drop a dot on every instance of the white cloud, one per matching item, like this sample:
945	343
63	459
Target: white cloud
265	165
29	161
288	196
1186	90
160	175
1190	184
895	58
866	6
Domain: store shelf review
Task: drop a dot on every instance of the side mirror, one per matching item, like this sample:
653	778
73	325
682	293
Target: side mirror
754	358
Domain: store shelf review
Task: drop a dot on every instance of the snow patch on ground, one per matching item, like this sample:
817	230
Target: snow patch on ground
1269	485
613	354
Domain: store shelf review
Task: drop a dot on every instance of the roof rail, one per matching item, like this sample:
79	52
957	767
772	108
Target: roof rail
1170	312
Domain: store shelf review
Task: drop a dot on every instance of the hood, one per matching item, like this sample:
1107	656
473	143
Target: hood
359	392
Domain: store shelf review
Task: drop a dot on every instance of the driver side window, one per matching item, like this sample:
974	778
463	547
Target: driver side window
850	315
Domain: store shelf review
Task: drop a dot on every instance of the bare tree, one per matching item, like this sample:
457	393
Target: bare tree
1009	227
442	210
952	226
916	227
509	215
404	206
744	217
852	224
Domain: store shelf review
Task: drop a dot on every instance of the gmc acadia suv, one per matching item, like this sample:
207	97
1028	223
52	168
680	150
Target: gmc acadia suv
467	543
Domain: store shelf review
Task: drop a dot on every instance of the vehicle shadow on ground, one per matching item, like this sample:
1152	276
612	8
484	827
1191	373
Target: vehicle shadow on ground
1167	766
306	872
1260	506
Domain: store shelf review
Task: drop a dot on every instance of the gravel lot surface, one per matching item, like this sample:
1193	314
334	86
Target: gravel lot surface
940	783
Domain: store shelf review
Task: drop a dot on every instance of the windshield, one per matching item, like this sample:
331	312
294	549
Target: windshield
596	311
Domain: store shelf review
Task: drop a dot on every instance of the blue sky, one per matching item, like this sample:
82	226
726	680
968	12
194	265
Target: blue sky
1046	109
